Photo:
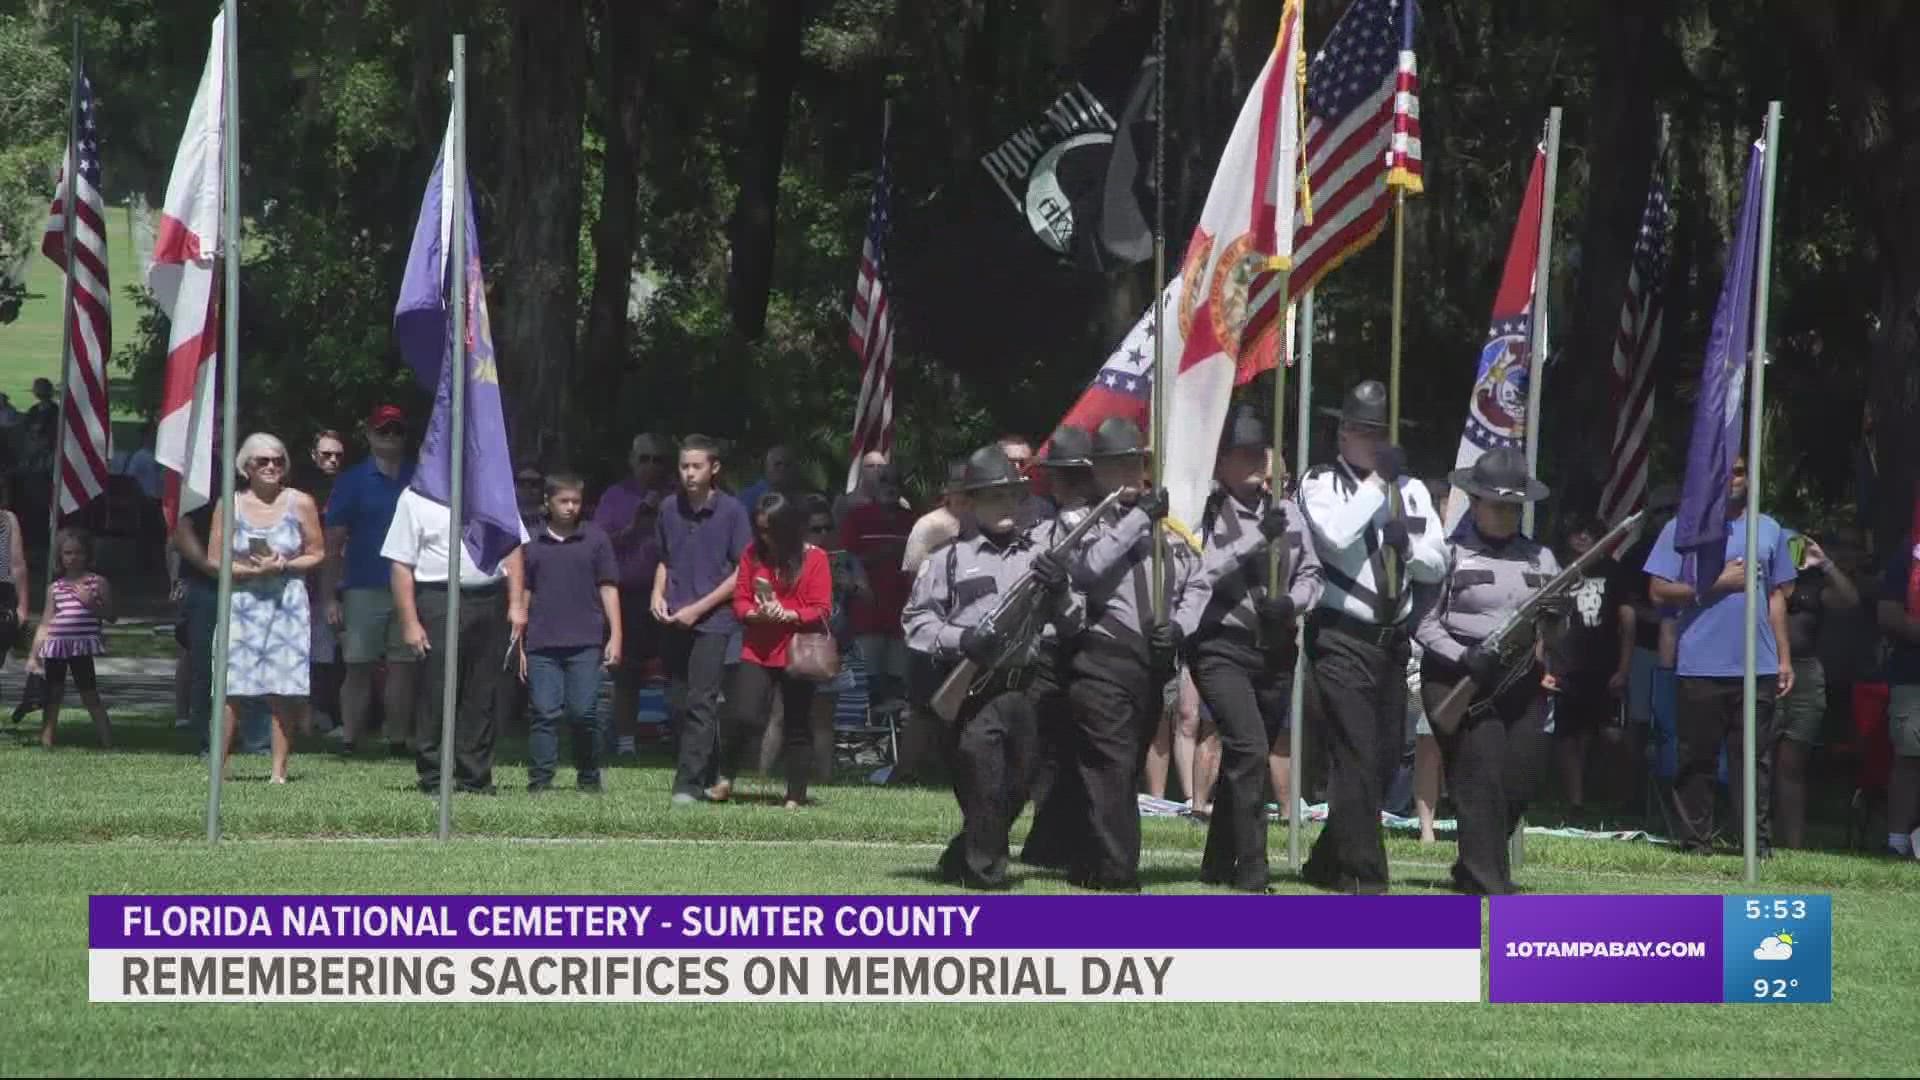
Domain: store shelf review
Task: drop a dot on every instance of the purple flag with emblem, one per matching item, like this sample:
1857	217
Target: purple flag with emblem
1700	528
491	527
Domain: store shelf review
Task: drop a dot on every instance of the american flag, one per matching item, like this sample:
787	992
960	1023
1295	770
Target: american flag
1363	134
1634	349
871	335
85	449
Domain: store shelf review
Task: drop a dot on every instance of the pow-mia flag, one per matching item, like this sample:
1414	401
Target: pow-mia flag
1079	174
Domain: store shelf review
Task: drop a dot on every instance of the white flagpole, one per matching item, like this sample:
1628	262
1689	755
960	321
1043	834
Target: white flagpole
229	406
1542	275
1537	374
1296	742
456	168
1756	594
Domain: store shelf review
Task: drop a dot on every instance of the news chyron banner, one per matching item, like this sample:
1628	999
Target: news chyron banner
782	948
1678	949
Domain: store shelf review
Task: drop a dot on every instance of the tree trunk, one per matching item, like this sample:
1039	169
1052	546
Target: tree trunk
537	222
629	33
750	278
1622	129
1864	51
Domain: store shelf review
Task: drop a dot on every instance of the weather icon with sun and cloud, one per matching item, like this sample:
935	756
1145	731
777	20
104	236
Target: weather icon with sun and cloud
1775	947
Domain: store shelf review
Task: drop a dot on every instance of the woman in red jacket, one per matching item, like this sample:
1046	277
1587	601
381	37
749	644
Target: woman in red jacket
784	586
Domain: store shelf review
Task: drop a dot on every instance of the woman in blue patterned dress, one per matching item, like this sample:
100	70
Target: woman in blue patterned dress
276	541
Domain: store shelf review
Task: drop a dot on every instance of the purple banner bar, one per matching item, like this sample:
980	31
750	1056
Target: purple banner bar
1605	948
784	922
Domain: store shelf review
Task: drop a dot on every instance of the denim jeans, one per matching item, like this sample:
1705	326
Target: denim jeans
564	686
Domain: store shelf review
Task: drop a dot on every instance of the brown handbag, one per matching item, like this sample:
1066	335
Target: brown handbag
813	655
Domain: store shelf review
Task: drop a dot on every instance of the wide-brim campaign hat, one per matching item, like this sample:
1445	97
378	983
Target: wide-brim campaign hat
1366	405
987	469
1117	437
1068	448
1245	431
1501	476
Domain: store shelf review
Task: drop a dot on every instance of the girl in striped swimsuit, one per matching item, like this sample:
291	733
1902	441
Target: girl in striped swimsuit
71	634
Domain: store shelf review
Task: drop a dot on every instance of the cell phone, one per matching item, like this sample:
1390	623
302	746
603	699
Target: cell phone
259	548
1797	550
763	589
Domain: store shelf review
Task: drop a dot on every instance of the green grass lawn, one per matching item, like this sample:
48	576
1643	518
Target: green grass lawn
30	345
77	821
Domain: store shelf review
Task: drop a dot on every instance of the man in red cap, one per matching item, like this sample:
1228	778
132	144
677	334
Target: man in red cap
357	591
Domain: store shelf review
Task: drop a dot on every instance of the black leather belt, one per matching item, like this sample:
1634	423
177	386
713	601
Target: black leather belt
1358	629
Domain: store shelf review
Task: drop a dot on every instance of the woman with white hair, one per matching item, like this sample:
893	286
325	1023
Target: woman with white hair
276	541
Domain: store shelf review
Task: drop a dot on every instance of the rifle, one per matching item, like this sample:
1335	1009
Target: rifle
1019	610
1512	641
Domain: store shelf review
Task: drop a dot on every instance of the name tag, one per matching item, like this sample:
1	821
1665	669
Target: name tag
1467	579
1535	580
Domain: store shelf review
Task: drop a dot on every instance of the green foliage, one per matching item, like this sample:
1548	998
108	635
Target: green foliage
33	91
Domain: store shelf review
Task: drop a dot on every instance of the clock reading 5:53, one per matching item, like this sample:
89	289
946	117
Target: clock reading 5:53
1779	907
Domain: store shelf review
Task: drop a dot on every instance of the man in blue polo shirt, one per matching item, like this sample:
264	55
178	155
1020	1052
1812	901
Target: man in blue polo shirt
1712	663
701	533
357	588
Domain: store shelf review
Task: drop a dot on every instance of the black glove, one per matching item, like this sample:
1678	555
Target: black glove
1390	462
1153	504
979	644
1273	524
1163	647
1050	570
1483	665
1394	535
1275	611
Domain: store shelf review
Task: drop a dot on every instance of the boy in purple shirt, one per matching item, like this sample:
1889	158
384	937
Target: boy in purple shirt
701	534
629	511
573	633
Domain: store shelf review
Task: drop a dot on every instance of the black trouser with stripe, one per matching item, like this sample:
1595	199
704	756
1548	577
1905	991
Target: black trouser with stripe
992	751
1059	802
1362	682
1114	702
1492	762
1248	693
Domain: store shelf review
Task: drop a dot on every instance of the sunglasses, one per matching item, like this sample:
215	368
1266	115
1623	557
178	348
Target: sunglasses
329	453
269	462
390	429
818	529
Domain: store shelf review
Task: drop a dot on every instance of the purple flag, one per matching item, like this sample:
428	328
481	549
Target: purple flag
491	526
1700	528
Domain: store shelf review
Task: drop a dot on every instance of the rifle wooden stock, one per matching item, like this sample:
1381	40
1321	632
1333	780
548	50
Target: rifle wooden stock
1506	637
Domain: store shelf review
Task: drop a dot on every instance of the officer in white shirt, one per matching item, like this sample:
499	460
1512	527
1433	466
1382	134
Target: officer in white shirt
492	605
1376	532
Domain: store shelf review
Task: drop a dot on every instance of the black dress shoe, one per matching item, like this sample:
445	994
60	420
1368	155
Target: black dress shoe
476	789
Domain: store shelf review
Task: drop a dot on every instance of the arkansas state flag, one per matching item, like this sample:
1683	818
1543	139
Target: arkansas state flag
1497	408
1233	292
184	283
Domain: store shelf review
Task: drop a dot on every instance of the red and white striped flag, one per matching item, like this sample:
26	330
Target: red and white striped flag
184	283
86	446
1634	348
871	335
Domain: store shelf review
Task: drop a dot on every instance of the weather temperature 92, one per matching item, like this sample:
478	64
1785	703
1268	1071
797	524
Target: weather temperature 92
1778	908
1773	988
